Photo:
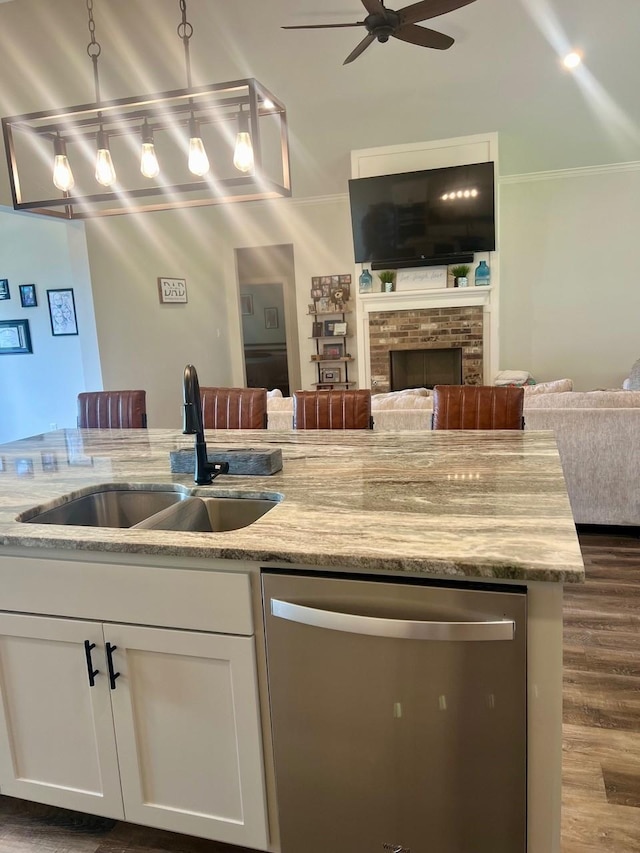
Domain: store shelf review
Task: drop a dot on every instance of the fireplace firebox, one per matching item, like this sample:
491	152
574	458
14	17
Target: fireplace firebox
425	368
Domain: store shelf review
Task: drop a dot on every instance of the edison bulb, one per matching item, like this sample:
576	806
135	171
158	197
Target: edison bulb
243	154
149	165
105	172
62	175
198	160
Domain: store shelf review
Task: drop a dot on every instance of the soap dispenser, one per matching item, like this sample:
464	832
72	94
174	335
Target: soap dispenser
483	274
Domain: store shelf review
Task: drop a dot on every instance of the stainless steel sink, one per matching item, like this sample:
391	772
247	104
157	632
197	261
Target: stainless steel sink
117	507
209	515
172	507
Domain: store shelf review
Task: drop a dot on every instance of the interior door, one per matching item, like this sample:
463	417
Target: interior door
57	743
188	733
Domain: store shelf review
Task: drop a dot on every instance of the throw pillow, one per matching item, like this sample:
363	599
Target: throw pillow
633	382
555	387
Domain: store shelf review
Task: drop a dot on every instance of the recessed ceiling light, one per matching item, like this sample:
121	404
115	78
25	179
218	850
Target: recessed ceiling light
572	60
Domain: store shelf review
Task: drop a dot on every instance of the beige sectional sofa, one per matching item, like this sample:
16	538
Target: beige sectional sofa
598	436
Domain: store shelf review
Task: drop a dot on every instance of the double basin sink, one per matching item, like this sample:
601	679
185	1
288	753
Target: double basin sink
162	507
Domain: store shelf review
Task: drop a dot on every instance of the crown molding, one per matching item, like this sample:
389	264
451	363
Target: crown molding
579	172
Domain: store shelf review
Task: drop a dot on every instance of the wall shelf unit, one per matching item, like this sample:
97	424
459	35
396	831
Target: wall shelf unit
330	335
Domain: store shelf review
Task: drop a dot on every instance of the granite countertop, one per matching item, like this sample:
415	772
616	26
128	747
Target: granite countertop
476	504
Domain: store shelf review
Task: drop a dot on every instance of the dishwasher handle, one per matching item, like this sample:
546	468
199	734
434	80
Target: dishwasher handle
401	629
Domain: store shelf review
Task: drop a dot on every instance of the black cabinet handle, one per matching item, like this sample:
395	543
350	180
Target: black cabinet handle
112	675
90	670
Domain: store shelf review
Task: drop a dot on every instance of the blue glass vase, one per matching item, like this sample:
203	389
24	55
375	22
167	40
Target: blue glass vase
365	281
483	274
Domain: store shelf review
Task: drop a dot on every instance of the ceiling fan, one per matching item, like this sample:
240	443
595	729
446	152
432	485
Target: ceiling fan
382	23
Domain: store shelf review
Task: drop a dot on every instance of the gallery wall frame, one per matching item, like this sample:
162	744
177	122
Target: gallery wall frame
246	304
271	318
5	293
62	311
15	337
28	296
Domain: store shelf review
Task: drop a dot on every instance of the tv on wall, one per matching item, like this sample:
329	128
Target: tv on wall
421	218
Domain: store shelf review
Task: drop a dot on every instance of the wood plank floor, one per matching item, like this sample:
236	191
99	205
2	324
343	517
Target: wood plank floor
601	758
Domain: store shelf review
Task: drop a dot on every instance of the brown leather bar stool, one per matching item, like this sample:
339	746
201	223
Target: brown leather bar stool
112	409
477	407
234	408
332	410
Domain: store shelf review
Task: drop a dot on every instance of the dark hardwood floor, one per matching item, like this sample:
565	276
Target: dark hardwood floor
601	758
601	755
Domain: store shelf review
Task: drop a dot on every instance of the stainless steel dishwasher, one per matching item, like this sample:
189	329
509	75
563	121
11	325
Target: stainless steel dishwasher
399	714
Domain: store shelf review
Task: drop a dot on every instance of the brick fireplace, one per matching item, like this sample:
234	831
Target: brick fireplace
459	326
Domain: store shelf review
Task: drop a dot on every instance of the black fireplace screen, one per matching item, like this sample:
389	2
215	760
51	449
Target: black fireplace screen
424	368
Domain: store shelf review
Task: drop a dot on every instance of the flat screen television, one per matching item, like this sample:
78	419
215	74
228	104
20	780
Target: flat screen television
421	218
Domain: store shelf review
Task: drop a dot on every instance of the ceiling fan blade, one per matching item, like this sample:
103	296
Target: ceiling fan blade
364	44
423	37
426	9
373	7
321	26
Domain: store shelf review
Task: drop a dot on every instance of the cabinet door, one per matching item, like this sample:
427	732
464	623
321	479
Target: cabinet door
57	743
188	733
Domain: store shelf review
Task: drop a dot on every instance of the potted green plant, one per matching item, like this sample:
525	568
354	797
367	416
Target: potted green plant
460	274
387	277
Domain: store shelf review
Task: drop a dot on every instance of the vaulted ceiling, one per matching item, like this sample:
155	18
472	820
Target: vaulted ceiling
502	74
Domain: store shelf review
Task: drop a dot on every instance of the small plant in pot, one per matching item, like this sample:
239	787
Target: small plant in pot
460	274
388	278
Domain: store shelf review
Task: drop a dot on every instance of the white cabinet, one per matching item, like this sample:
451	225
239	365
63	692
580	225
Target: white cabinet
57	743
167	736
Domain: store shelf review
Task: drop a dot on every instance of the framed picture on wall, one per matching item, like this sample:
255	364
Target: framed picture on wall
330	374
246	304
15	337
4	289
271	318
62	311
172	289
28	298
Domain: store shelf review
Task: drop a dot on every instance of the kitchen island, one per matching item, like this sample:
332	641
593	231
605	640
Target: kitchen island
472	508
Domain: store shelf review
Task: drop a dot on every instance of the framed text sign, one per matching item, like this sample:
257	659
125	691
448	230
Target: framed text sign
172	289
421	278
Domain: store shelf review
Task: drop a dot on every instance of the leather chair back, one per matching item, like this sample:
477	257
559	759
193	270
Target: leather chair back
234	408
112	409
332	410
477	407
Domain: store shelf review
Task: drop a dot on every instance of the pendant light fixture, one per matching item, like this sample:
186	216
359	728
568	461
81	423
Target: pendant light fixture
221	143
243	152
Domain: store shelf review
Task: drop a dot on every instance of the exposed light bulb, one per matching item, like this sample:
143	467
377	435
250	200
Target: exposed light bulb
243	153
198	160
467	193
105	172
149	165
474	193
62	175
268	104
572	60
445	197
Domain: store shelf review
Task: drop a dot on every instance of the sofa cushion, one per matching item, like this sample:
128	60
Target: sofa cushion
633	381
554	387
584	400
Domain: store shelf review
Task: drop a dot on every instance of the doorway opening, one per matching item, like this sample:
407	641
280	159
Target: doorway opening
266	288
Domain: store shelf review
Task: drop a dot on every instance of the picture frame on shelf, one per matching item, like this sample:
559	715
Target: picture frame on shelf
333	350
62	311
246	304
339	328
330	374
28	296
317	330
172	290
329	326
5	293
271	318
324	305
312	308
15	337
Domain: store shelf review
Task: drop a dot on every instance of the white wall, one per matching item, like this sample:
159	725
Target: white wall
570	299
40	389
